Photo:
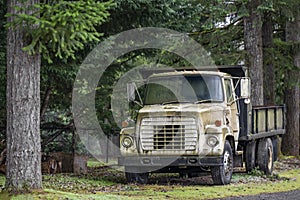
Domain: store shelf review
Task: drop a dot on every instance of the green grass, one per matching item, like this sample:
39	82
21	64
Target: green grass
107	183
210	192
49	194
2	180
94	163
73	183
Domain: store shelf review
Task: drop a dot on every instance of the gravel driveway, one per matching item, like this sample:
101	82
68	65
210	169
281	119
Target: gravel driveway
291	195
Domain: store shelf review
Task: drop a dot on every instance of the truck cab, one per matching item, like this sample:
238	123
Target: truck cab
191	122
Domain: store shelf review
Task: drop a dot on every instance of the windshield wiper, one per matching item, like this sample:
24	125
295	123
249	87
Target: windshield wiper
206	101
170	102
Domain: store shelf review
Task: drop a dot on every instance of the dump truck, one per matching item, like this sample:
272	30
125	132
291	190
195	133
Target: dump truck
194	121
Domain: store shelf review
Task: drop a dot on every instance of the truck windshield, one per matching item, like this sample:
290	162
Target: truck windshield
180	89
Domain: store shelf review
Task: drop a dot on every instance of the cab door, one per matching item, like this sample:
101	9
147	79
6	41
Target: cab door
232	112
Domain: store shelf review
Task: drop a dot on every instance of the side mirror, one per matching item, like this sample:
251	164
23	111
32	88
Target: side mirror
245	88
131	92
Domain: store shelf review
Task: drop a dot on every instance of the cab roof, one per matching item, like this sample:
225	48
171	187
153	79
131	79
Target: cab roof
236	71
191	73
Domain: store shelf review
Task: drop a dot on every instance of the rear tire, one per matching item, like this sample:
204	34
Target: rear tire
265	155
250	156
221	175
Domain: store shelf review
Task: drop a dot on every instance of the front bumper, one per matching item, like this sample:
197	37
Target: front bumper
170	161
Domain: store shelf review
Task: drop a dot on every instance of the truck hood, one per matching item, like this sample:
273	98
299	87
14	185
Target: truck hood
183	108
207	114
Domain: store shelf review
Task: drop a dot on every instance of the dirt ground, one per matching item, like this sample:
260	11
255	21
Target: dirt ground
114	182
279	166
282	164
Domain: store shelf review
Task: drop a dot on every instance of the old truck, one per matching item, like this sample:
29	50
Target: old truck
194	121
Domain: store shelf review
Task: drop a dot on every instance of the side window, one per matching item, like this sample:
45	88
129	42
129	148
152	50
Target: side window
229	92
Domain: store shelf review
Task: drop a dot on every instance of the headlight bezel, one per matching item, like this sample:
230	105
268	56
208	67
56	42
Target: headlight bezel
212	141
127	141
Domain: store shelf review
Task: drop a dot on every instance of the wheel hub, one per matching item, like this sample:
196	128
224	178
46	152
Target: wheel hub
270	161
227	163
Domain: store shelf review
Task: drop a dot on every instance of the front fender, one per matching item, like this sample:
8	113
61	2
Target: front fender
218	132
126	150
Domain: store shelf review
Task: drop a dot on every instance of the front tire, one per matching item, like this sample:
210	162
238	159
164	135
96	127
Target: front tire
265	155
185	175
140	178
221	175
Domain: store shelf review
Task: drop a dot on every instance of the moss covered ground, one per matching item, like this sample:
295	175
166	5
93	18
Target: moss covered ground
106	183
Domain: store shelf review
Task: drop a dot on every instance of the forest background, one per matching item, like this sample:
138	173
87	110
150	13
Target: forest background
262	34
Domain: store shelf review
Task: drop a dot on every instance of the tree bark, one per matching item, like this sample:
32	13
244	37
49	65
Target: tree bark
253	47
290	141
23	109
268	59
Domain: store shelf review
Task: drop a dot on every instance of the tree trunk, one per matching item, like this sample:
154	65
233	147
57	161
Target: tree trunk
23	109
45	102
268	59
290	141
253	46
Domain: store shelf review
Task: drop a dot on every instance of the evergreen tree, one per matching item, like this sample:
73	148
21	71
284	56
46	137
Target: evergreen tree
35	29
23	107
254	55
291	139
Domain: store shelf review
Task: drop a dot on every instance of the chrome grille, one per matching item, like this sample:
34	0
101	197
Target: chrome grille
168	133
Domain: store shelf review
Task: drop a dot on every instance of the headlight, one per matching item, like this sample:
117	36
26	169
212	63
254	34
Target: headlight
212	141
127	141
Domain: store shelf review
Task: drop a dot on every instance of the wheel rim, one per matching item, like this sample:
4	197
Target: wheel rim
227	163
270	160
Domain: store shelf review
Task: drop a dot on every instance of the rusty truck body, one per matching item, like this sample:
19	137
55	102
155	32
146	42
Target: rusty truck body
195	121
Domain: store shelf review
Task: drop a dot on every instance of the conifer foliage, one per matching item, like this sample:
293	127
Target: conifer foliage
60	28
